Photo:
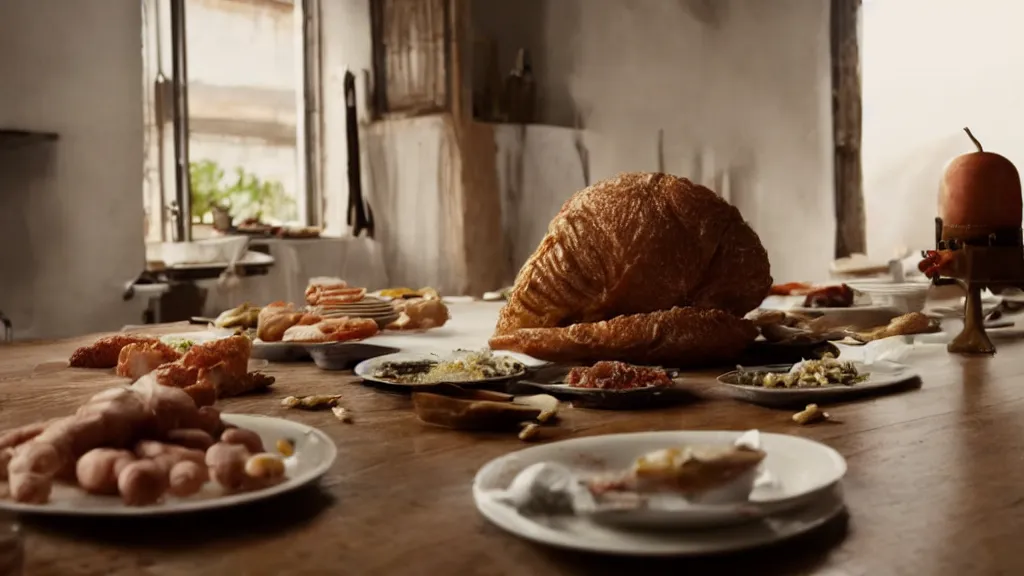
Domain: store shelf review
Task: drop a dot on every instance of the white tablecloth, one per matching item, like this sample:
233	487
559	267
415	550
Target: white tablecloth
358	261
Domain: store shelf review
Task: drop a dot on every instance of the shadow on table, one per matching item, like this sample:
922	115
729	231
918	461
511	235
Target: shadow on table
802	554
189	530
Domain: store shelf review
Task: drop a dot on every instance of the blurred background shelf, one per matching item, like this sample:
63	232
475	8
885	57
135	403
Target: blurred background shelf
13	137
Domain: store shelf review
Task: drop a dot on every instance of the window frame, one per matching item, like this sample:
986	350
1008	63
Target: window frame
381	105
170	103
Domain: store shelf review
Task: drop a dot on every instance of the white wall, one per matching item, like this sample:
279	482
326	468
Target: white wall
955	70
71	217
739	87
407	164
346	44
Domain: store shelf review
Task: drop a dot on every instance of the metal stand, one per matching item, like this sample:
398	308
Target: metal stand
972	339
994	260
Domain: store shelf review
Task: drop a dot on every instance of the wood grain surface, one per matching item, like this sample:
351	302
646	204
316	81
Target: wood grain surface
934	484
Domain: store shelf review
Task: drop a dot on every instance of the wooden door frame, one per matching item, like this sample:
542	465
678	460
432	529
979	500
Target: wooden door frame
846	128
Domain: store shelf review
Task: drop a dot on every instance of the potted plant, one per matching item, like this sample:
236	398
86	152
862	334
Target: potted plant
215	199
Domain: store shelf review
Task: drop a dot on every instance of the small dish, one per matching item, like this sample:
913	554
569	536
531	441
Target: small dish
882	377
551	380
279	351
342	355
367	368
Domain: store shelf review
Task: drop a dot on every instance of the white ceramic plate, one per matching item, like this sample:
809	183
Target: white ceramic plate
314	456
279	351
806	473
366	368
882	376
341	355
795	304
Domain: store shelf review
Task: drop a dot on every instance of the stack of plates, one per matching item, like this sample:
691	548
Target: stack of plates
369	307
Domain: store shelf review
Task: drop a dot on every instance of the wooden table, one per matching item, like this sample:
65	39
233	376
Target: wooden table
935	485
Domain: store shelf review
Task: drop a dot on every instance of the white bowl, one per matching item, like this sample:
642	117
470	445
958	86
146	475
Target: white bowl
905	297
219	250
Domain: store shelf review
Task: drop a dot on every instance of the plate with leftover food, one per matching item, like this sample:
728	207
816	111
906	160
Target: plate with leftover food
701	491
606	385
225	461
462	367
806	298
816	381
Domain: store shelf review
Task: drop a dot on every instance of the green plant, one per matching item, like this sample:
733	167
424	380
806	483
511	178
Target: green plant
247	196
206	178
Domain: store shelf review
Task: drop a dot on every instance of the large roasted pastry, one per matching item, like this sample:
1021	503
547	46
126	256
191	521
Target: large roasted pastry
642	268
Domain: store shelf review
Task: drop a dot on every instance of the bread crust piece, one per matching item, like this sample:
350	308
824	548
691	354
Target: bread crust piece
634	244
679	338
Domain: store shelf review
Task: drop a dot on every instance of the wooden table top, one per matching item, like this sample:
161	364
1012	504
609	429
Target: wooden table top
934	484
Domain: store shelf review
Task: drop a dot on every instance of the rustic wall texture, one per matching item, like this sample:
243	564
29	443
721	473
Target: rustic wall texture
71	218
739	89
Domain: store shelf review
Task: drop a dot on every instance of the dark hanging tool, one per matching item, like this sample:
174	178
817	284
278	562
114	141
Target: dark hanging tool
360	215
8	328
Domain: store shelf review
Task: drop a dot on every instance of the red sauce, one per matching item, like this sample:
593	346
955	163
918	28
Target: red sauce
830	297
608	375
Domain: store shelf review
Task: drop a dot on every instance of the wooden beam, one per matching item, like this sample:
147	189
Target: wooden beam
846	126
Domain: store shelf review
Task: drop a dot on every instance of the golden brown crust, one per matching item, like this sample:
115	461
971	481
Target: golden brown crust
104	352
679	338
634	244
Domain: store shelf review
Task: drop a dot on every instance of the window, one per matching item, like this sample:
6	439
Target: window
246	97
411	57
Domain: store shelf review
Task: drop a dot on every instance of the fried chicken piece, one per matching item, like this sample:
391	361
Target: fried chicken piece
213	370
905	325
225	383
420	314
233	352
679	337
274	319
175	375
316	286
333	295
104	352
333	330
140	358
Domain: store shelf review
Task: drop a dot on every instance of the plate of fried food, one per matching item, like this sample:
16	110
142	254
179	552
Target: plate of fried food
336	320
816	381
322	329
422	370
663	493
147	449
606	385
207	368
